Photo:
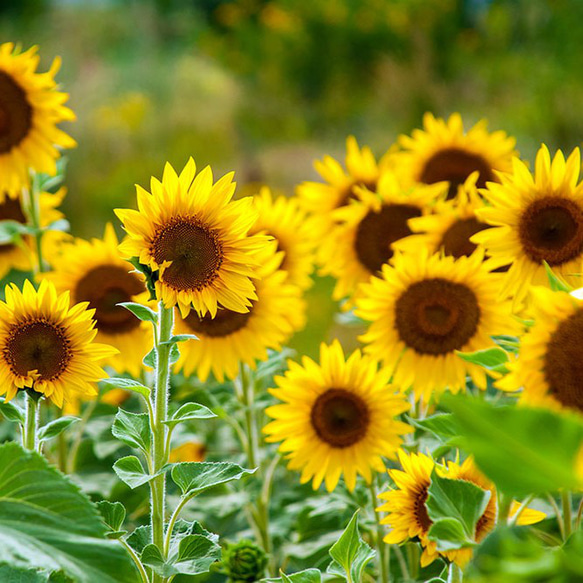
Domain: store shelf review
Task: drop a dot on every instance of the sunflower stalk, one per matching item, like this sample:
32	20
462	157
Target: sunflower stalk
30	427
383	550
455	574
567	513
159	450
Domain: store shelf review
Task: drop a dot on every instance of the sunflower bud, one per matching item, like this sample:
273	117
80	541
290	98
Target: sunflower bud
244	562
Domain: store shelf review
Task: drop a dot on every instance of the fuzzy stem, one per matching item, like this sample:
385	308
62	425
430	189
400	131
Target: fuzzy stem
567	519
455	574
135	559
382	548
558	515
159	430
30	427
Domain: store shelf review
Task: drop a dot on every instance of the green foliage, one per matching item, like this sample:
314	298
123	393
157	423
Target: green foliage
11	412
555	282
127	384
133	429
307	576
243	562
141	312
113	514
494	359
179	338
441	424
350	554
189	412
46	524
129	470
523	450
56	427
454	506
196	477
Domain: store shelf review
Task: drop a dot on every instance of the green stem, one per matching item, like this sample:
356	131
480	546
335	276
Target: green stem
32	208
517	514
172	522
504	503
72	461
413	557
30	427
567	518
558	515
135	559
382	548
159	430
402	563
455	574
246	395
579	512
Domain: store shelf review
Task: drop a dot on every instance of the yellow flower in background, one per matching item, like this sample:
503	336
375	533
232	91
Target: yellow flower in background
282	218
22	256
115	397
338	417
536	218
47	345
94	272
405	505
189	451
30	109
424	309
444	151
360	243
231	338
190	233
550	363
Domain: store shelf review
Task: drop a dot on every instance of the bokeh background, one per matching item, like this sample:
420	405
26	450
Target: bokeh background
263	87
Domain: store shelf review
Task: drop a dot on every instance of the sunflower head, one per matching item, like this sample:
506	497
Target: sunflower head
194	240
30	109
536	218
47	345
336	418
423	310
444	151
94	272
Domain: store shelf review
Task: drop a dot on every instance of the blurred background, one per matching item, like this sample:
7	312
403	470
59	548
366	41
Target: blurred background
263	87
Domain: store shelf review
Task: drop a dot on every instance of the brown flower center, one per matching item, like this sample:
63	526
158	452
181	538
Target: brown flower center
377	231
11	210
437	316
104	287
456	240
15	113
551	230
454	166
563	362
340	418
195	252
419	508
226	322
38	345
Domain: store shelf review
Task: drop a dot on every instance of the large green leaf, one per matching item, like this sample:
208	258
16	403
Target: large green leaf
523	450
454	507
196	477
47	524
307	576
350	553
133	429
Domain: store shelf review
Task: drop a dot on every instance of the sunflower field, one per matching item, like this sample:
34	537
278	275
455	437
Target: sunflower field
219	364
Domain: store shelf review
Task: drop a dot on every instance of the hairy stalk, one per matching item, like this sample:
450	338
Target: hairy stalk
159	451
579	513
382	548
135	559
567	510
29	430
455	574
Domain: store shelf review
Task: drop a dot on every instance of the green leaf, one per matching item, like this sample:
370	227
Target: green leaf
129	470
152	557
188	412
350	553
442	425
196	477
555	282
11	232
494	359
128	384
47	524
56	427
112	513
11	574
454	501
151	276
522	450
133	429
179	338
307	576
174	354
12	412
150	358
58	225
141	312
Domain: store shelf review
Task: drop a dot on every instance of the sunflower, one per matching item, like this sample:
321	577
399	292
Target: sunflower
47	345
360	243
443	151
424	309
537	218
550	363
194	239
231	338
30	109
94	272
22	256
405	505
286	222
319	199
337	417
